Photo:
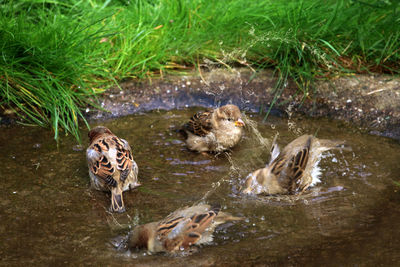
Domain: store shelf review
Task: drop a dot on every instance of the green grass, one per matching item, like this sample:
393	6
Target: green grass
57	55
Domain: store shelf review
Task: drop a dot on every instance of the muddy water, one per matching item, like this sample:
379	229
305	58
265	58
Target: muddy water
49	216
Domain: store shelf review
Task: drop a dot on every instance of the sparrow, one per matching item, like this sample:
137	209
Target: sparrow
111	165
214	130
294	169
179	230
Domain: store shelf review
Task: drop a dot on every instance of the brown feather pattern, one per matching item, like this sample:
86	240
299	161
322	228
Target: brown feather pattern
103	167
180	229
191	232
200	123
278	165
297	165
111	165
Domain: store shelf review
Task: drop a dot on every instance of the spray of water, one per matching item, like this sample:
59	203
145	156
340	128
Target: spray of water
258	145
292	127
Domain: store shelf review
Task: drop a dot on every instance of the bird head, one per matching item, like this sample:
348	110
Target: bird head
96	131
231	113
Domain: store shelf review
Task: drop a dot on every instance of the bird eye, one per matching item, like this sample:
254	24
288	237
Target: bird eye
230	119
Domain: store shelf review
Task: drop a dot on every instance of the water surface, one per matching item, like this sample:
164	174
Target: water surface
49	215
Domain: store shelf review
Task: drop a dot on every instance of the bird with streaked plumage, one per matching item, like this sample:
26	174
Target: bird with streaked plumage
111	165
294	169
214	130
180	230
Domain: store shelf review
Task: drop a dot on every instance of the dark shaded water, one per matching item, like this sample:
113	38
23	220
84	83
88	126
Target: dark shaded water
50	216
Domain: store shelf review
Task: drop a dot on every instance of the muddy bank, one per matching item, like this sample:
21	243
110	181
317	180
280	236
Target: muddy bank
371	102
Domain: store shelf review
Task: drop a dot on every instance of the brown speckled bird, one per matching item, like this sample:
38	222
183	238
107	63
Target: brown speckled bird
294	169
111	165
180	229
214	130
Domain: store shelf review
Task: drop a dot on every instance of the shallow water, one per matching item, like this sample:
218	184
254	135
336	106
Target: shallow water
50	216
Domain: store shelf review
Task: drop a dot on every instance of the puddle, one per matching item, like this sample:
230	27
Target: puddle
50	216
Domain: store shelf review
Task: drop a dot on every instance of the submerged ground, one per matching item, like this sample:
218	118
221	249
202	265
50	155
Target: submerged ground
50	216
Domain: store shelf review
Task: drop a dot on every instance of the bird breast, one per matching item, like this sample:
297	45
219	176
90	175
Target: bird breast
228	134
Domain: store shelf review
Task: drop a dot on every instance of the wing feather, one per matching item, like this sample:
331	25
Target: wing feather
124	157
184	230
100	163
297	166
200	123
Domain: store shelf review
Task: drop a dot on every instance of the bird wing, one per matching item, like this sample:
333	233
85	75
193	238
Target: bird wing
290	168
180	230
200	123
278	164
297	166
100	163
124	157
275	151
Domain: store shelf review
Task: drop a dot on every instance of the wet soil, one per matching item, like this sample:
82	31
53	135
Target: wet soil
371	102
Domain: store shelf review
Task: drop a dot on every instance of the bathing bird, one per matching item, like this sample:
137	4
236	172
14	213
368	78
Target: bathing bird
214	130
179	230
111	165
294	169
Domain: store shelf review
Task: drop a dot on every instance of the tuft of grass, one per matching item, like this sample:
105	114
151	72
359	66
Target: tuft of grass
47	69
56	56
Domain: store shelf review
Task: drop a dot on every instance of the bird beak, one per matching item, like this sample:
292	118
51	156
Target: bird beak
239	123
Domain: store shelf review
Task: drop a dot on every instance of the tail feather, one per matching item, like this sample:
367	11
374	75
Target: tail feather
334	144
117	202
225	217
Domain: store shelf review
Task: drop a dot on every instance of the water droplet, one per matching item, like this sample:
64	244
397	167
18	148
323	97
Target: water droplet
37	145
77	148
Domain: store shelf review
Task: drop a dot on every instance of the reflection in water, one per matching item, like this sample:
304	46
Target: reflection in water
50	216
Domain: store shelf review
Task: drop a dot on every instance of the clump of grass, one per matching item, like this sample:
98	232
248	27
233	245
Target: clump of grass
46	69
57	55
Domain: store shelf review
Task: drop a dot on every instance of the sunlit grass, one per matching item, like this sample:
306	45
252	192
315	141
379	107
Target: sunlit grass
57	55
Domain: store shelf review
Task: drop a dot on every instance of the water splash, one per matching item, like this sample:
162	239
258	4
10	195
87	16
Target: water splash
252	127
225	178
291	124
235	170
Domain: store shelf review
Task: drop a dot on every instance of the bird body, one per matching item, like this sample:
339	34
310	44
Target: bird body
179	230
214	130
111	165
294	169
